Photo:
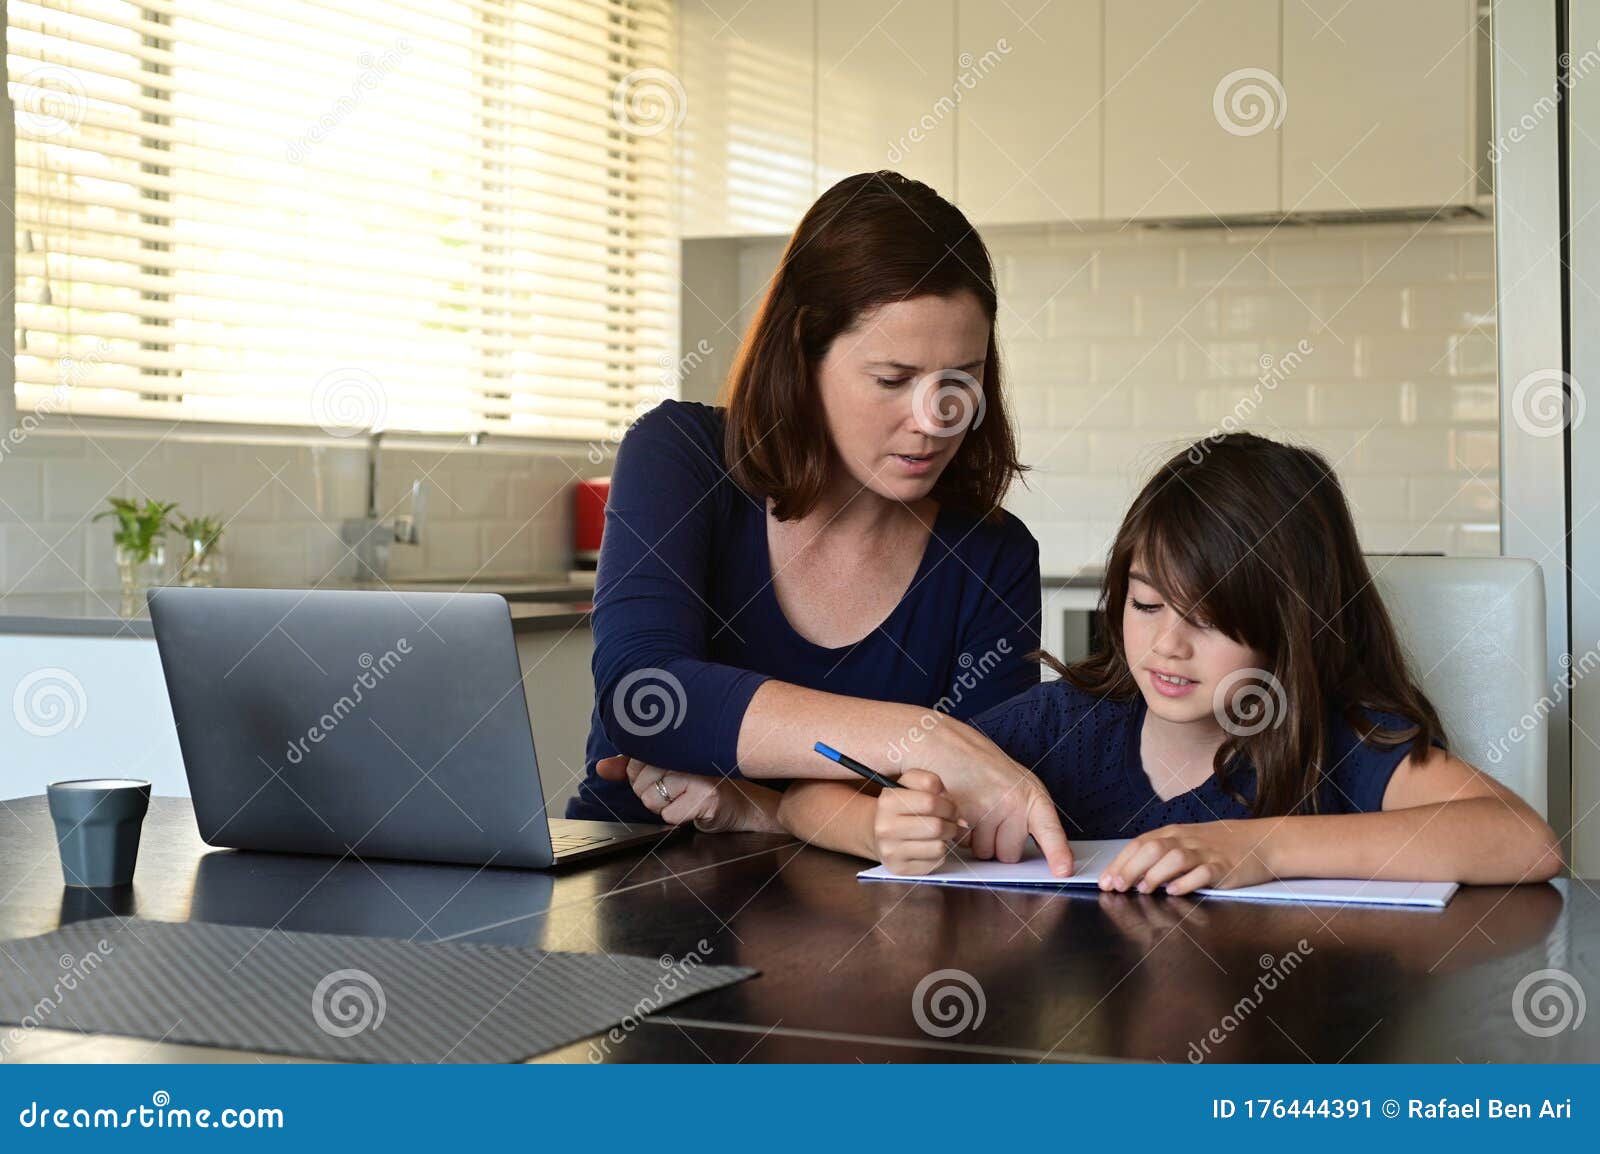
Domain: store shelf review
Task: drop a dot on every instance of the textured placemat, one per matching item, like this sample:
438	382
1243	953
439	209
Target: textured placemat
330	995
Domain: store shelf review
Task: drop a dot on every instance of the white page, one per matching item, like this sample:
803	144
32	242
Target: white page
1091	857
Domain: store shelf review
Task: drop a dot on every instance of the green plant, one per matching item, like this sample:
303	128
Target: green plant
201	532
138	527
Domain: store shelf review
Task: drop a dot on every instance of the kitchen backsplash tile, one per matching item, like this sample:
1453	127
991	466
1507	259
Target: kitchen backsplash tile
489	512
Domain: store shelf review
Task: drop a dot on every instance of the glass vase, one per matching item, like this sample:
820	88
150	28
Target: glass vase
138	572
202	564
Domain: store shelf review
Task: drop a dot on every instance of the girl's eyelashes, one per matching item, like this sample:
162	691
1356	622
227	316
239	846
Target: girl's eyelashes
1153	607
891	382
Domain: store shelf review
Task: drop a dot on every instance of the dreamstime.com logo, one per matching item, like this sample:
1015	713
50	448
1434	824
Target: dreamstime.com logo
648	101
74	973
1548	1002
49	701
1249	101
51	101
1547	401
1274	971
674	971
648	702
973	671
347	1003
1248	701
160	1114
947	1002
947	403
348	401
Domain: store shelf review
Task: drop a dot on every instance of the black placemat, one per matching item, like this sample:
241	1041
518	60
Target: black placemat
331	995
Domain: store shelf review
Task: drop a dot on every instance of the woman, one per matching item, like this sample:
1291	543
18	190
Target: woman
825	559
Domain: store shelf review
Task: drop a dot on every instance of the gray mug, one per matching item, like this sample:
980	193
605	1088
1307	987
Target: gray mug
97	828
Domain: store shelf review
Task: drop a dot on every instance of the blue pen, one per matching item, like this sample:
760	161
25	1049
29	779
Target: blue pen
855	766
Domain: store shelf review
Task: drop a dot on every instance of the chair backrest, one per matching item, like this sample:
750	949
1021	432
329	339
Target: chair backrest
1473	629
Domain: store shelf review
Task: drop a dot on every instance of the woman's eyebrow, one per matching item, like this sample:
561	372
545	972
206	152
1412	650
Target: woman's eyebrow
903	367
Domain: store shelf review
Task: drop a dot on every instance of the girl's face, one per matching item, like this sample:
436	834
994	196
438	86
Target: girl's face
900	390
1180	662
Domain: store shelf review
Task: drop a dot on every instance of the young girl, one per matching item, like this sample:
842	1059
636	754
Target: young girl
1248	716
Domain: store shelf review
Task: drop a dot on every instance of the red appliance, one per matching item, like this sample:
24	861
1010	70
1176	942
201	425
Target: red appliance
589	520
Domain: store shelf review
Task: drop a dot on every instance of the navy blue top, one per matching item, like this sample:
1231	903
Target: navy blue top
687	625
1086	751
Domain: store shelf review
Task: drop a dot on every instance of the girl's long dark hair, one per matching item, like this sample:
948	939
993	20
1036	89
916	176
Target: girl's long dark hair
1255	537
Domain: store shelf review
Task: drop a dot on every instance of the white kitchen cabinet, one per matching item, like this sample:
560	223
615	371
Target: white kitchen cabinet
1381	104
1029	116
886	73
1193	96
745	149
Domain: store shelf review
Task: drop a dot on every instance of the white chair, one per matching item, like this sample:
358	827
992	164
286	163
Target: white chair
1473	630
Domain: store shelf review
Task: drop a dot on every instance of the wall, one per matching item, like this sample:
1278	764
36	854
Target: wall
492	510
1121	346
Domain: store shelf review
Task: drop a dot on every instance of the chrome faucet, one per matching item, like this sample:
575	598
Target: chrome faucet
369	537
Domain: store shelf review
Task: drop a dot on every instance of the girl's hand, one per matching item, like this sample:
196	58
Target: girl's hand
1183	858
916	827
713	804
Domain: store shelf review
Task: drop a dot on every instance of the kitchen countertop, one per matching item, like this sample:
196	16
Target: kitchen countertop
1082	579
536	605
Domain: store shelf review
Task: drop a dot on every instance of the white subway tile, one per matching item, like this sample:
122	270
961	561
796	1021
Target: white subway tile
1228	265
1403	355
1090	407
1319	261
1119	363
77	489
1457	307
1347	312
1477	255
1138	266
44	556
1039	273
1455	497
1194	311
1475	449
21	489
1264	313
1414	256
1473	354
1110	316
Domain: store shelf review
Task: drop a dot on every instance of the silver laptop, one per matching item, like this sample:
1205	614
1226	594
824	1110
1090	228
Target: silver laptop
363	723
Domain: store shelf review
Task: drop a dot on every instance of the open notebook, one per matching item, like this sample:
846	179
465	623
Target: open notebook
1093	856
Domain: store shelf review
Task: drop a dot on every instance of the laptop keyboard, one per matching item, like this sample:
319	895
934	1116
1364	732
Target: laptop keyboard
566	842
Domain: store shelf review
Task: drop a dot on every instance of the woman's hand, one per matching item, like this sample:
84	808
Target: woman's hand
713	804
1183	858
916	827
1003	801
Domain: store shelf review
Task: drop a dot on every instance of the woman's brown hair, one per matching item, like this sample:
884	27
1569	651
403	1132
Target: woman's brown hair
1255	538
870	240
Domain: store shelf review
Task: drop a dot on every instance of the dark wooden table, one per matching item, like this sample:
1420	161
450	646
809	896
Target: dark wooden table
1061	977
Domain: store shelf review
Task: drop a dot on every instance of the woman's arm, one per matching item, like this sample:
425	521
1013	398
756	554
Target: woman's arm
1442	820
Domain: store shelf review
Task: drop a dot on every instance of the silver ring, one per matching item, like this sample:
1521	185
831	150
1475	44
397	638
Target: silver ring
662	790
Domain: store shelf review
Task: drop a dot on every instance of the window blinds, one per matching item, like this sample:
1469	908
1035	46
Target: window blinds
442	215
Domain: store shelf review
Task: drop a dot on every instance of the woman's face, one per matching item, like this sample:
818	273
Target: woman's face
1182	664
901	389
